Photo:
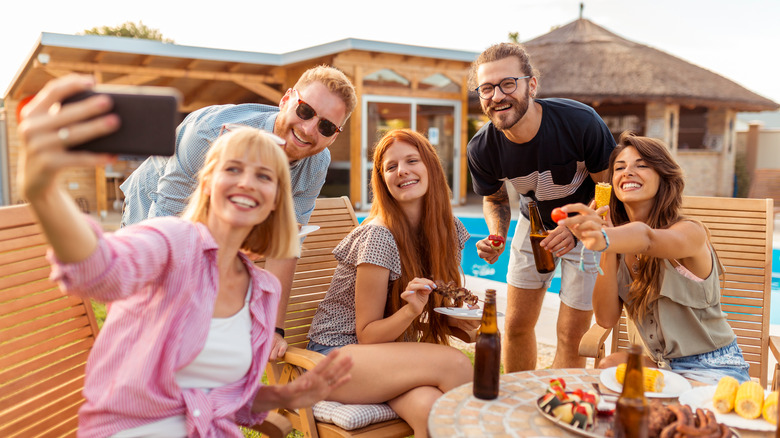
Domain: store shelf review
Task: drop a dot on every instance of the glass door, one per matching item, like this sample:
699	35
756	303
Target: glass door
437	119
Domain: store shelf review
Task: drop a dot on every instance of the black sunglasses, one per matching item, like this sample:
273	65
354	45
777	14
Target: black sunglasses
306	112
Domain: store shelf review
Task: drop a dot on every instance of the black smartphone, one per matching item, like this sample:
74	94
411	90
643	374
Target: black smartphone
148	116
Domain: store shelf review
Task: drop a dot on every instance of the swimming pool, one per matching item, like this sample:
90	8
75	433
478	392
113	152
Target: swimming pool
475	266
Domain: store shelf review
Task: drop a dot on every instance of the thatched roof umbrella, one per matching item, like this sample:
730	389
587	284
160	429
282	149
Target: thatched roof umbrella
585	62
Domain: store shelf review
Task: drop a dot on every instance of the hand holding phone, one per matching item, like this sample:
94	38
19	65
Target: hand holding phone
148	118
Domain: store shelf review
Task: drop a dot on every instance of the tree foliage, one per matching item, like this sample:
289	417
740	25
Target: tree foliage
129	30
514	37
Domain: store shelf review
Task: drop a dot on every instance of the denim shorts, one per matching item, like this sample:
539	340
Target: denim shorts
710	367
576	286
319	348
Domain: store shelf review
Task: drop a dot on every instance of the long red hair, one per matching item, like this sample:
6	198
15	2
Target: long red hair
432	251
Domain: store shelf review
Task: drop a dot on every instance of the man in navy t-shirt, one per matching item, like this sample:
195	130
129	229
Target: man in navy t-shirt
552	151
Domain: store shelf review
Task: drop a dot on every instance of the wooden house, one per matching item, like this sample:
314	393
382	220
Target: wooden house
398	86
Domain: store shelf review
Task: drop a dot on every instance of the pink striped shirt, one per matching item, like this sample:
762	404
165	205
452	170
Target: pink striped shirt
161	277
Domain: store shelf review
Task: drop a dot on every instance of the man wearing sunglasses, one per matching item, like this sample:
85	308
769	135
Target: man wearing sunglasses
309	118
552	151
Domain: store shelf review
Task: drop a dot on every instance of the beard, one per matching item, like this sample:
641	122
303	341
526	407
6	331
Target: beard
508	118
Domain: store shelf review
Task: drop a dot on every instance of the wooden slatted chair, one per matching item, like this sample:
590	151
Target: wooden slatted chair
741	232
313	275
45	338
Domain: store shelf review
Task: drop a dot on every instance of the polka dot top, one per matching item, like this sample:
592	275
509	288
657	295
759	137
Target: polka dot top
334	322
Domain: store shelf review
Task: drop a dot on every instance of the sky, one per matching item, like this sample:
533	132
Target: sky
738	39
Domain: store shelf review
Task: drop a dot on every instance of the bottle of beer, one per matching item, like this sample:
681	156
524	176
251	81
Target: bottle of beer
487	356
542	257
631	411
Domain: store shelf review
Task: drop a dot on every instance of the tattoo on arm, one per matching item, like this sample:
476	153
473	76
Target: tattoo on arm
497	211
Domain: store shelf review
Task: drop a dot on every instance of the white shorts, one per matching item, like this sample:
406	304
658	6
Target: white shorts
576	286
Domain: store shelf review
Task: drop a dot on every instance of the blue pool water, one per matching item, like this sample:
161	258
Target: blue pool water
475	266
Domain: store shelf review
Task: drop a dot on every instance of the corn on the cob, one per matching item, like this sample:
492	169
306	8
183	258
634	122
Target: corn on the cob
769	412
654	379
725	394
750	398
603	193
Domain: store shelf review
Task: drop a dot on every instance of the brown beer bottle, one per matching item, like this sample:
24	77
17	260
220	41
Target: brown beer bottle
631	412
487	356
542	257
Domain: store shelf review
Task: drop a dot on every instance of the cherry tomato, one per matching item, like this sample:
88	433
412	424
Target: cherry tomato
558	215
496	241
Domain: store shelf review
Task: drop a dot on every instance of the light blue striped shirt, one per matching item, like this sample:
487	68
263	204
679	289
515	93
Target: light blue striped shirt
161	186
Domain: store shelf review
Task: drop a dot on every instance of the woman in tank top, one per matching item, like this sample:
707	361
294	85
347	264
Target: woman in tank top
659	265
191	320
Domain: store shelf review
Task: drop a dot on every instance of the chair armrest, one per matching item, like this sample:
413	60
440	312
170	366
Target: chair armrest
468	337
274	426
303	358
592	343
774	347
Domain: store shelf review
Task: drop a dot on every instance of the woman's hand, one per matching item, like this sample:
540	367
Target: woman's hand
48	129
417	292
311	387
587	225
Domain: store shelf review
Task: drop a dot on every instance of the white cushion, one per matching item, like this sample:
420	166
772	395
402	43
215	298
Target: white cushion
350	417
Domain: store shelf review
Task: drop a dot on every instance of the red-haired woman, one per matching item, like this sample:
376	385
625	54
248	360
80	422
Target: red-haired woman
381	291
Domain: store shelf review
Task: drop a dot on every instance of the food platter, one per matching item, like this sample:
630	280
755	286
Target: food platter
462	313
604	423
701	397
674	384
599	430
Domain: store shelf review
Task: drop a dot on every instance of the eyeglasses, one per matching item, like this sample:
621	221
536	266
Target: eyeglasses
507	86
230	127
306	112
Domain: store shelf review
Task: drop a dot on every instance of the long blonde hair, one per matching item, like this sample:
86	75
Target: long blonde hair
277	235
429	253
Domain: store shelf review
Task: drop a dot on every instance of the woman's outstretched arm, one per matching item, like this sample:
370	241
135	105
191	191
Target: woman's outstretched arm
47	131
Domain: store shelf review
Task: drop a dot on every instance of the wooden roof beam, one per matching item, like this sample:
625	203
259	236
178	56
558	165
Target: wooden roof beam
169	72
132	80
261	89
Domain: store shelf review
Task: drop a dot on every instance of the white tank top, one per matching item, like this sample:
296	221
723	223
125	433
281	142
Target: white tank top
227	338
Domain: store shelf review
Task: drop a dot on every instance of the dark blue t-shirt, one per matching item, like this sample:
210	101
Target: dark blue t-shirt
554	167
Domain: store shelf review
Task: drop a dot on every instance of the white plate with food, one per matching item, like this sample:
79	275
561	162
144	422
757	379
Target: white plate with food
674	384
307	229
462	312
701	397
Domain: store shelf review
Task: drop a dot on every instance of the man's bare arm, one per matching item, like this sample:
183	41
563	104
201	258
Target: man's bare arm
600	177
498	213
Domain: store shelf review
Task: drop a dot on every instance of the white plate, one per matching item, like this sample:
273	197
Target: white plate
308	229
701	397
674	384
462	312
